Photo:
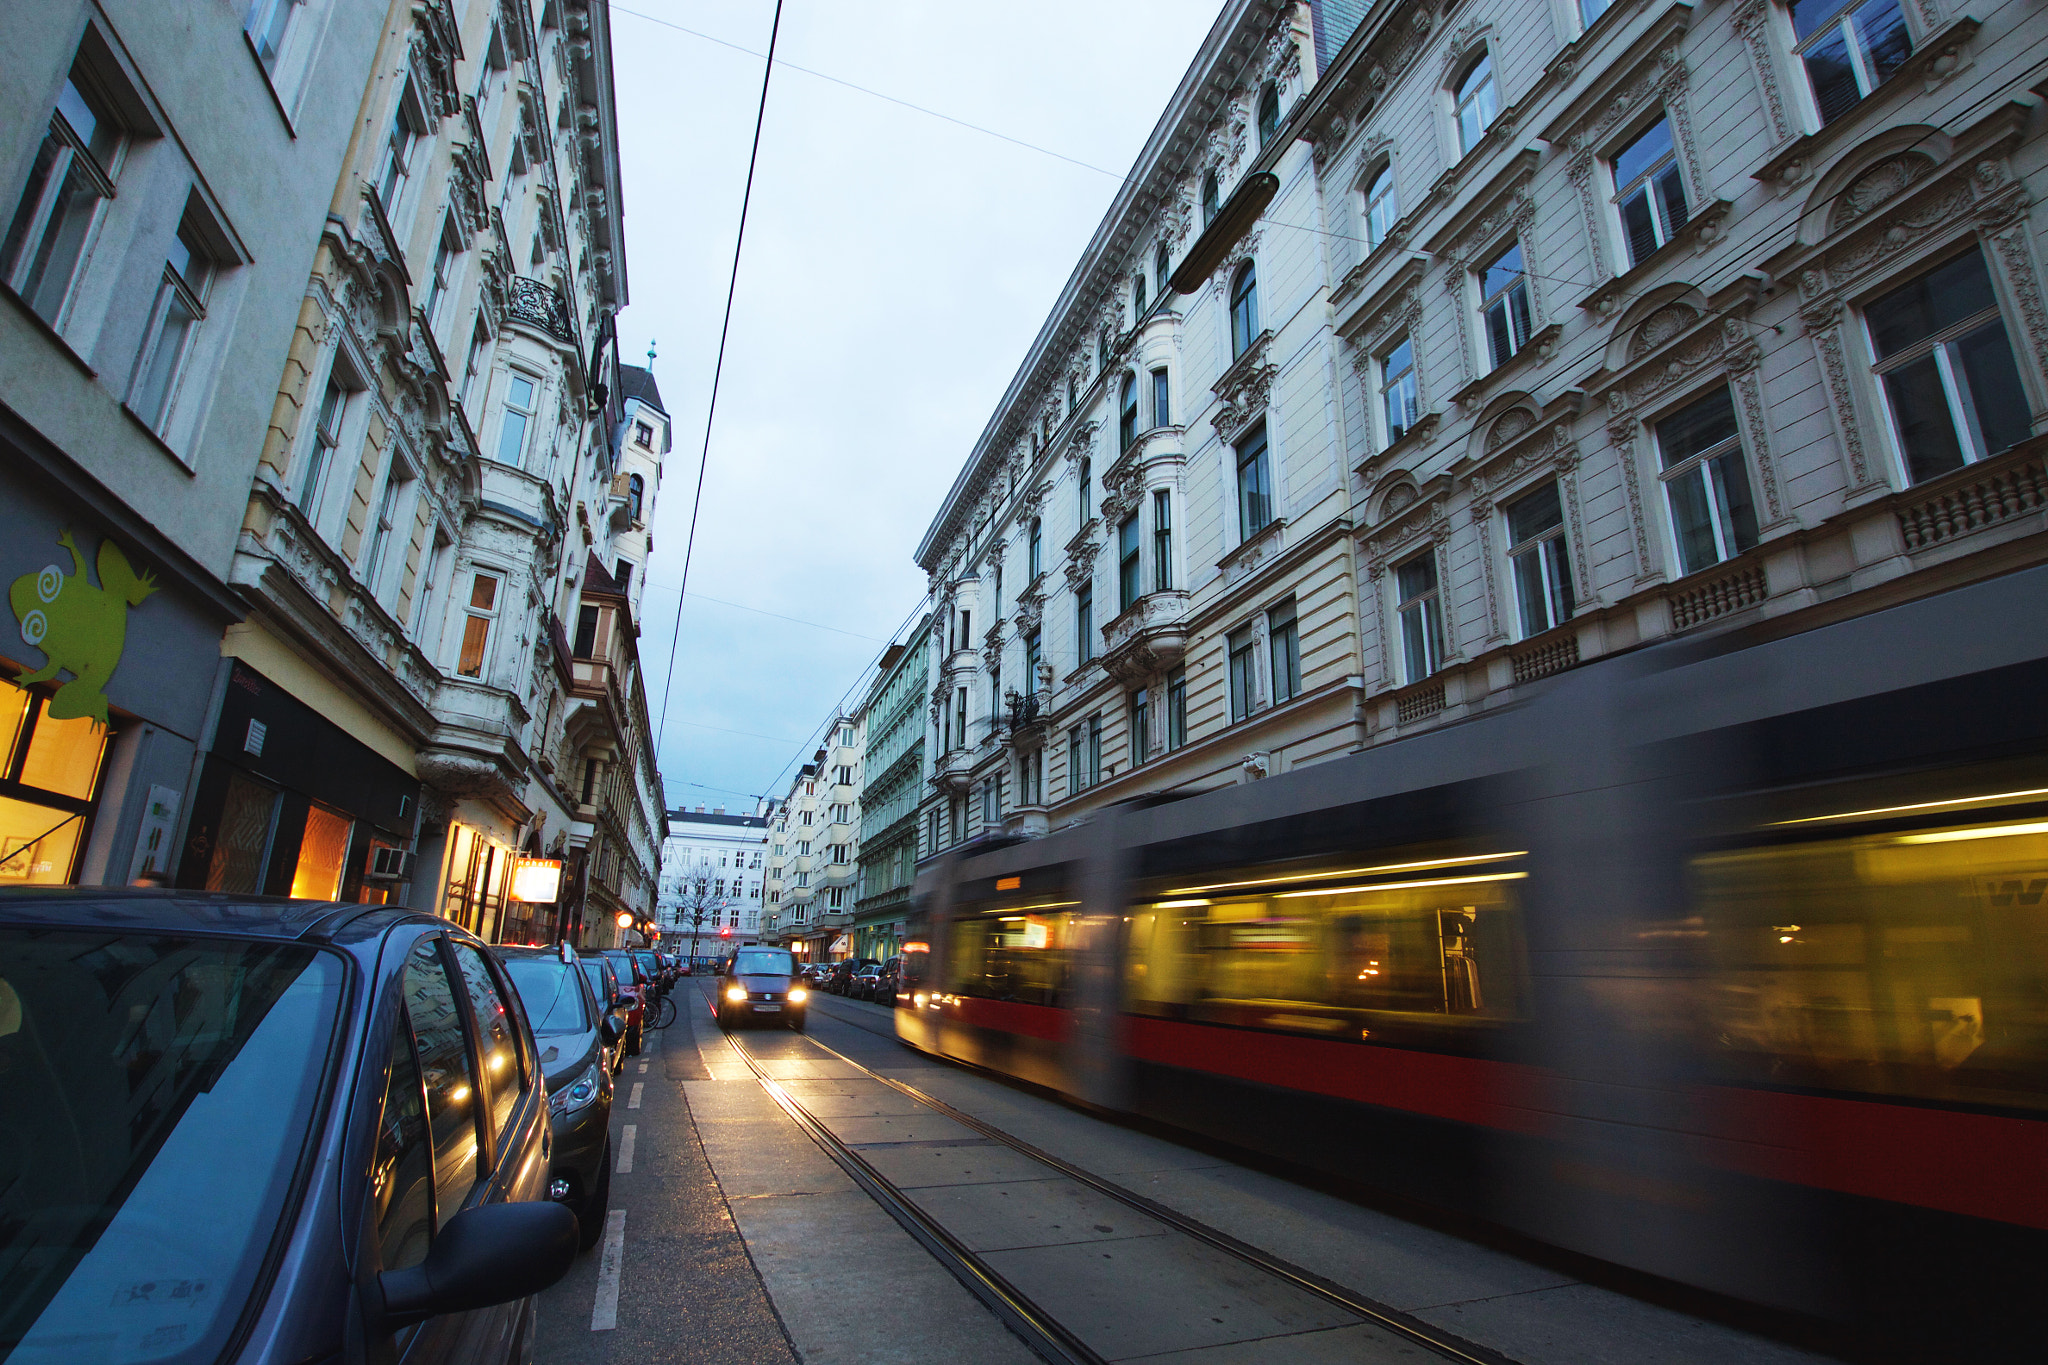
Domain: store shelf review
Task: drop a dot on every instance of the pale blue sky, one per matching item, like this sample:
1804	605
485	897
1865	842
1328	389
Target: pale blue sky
896	269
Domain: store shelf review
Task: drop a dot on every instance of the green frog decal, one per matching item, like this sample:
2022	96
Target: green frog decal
78	626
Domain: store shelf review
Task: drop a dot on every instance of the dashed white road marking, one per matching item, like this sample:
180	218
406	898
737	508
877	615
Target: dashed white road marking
625	1166
643	1068
633	1100
604	1314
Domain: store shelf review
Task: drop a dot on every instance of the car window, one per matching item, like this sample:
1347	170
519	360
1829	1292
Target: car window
763	962
549	990
156	1096
403	1175
444	1065
504	1068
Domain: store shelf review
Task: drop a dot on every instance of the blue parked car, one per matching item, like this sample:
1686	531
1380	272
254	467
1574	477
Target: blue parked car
246	1129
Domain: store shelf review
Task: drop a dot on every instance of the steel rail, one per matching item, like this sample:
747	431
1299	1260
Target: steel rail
1380	1314
1043	1334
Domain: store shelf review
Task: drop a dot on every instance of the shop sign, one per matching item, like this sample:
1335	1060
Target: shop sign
79	626
536	879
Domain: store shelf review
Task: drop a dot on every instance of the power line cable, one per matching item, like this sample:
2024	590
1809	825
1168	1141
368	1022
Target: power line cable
668	687
763	611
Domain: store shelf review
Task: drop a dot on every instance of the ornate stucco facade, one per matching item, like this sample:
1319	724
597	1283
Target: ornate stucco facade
1512	335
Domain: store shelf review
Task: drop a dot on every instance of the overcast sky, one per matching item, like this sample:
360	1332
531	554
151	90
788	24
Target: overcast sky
896	268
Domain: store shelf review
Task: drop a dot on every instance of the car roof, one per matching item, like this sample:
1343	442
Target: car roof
122	908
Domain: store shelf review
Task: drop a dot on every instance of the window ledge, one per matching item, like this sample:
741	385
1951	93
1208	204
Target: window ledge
1414	439
50	334
1936	57
184	465
1700	232
1540	348
1254	550
284	115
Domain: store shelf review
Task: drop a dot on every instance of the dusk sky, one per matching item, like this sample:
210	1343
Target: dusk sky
896	267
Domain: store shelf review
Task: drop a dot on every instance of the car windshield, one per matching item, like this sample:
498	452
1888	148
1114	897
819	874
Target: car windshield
132	1065
549	991
648	963
763	962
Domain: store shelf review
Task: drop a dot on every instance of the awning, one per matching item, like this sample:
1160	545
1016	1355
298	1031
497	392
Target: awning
842	944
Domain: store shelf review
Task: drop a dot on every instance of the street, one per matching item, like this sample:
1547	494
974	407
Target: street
734	1236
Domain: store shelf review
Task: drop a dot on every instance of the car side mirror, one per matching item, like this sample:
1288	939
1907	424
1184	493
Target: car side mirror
490	1254
609	1029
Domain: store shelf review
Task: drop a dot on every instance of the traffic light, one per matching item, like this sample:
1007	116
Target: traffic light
725	932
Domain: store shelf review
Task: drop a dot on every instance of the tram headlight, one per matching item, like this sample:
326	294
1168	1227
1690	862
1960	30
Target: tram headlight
920	999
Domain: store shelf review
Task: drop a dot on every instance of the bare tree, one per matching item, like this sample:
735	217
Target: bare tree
697	903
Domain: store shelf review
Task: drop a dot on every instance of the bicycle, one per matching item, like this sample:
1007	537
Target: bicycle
661	1013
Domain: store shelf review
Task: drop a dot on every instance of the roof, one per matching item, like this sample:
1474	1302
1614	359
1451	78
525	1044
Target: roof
636	381
597	578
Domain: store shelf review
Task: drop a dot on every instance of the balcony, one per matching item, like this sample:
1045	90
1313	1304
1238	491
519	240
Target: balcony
1148	639
531	303
953	772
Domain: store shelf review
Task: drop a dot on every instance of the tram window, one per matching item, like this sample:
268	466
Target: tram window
1395	958
1020	954
1912	964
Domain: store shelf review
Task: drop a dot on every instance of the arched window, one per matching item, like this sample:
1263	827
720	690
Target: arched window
1244	310
1137	295
1269	114
1382	206
1127	415
1160	263
1210	203
636	492
1478	102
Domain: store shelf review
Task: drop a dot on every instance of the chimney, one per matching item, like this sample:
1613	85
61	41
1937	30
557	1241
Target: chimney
700	810
718	810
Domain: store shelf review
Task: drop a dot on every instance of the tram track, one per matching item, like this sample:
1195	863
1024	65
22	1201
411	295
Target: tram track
1030	1321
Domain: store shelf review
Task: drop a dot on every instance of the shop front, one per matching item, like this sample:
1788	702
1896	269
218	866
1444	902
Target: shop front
289	804
105	675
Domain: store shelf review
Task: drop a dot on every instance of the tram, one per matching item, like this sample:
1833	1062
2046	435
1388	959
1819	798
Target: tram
1724	961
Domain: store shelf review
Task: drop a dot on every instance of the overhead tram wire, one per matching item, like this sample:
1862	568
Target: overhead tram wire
668	686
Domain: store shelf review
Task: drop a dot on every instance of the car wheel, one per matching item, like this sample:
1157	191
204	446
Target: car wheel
590	1213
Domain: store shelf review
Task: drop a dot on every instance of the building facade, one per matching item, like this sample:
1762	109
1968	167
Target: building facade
892	722
813	865
712	870
165	176
1431	350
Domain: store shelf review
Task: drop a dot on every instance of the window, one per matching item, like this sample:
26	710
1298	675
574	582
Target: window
843	773
452	1114
1141	726
1161	259
1210	203
1504	304
1084	489
835	898
1244	310
396	483
1543	580
71	176
1084	622
636	495
326	437
1101	359
1849	49
436	567
838	854
803	848
446	248
1947	368
1034	555
180	306
1477	103
587	618
1084	755
473	362
1400	398
996	590
1176	708
1382	206
1421	616
1128	581
1031	657
1162	400
522	395
1591	10
1269	114
1706	482
1243	673
1648	192
1137	295
406	127
960	717
269	24
1284	643
481	612
1162	540
1127	415
643	434
1254	486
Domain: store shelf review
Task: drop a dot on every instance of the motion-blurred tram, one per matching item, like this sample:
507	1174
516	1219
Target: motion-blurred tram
1723	961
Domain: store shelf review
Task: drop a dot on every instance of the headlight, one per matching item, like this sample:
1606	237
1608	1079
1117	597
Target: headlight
919	999
578	1093
797	995
736	993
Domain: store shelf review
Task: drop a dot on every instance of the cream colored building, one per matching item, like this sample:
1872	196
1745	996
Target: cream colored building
1513	335
812	878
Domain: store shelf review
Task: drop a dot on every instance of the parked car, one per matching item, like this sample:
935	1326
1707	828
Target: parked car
892	979
634	986
651	969
269	1130
612	998
761	985
575	1038
861	986
842	972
